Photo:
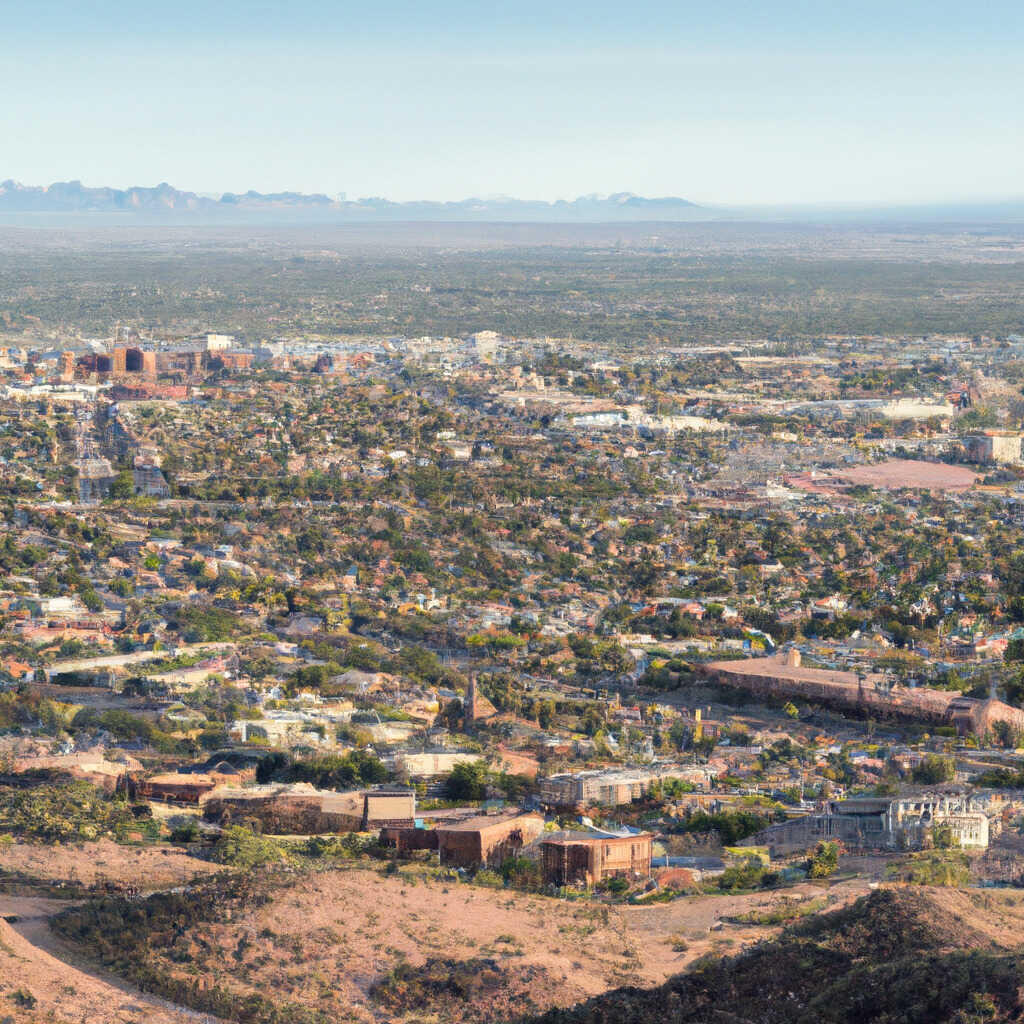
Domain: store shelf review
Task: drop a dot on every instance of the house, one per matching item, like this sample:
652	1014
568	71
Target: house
829	607
588	858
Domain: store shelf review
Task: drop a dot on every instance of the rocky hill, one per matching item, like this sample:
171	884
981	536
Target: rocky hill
913	956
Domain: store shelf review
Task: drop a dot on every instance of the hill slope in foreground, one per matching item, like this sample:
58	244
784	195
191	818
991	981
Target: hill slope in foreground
895	955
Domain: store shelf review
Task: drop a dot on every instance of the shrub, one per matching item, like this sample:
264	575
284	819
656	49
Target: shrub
63	812
241	848
522	873
947	868
23	998
185	831
824	861
750	874
488	878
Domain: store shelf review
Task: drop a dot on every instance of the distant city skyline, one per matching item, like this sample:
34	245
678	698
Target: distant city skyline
744	104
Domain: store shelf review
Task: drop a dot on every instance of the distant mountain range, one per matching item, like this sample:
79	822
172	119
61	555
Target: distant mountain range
165	201
71	203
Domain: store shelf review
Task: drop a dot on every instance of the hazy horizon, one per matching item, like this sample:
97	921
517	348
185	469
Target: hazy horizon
744	105
290	206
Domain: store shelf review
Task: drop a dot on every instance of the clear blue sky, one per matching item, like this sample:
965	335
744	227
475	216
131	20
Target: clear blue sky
730	102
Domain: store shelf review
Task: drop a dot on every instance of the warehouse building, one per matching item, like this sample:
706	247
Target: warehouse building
588	858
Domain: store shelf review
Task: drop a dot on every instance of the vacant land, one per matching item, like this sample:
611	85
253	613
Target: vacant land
892	474
42	979
90	864
360	944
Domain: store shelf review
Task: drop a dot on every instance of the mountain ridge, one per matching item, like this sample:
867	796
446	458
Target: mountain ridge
164	199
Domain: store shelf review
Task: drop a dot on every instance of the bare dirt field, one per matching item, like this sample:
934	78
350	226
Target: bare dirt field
696	919
892	474
359	944
145	867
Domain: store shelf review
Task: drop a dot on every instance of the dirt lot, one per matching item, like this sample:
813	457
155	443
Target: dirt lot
324	940
892	474
145	867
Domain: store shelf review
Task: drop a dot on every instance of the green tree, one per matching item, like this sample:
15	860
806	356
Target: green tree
122	486
934	770
468	781
824	861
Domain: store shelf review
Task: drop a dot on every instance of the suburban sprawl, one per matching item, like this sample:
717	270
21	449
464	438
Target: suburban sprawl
593	625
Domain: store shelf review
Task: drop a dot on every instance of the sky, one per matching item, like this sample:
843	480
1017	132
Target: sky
721	103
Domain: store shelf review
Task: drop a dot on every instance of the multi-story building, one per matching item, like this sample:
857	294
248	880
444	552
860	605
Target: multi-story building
577	790
998	446
885	823
590	857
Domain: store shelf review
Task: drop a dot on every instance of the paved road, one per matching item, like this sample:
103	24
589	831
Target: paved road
118	660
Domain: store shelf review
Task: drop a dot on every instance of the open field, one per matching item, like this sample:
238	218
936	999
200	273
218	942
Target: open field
901	954
892	474
912	473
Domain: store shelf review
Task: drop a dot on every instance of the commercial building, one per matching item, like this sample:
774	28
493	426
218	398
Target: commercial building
486	840
886	823
783	675
577	790
587	858
1000	447
216	342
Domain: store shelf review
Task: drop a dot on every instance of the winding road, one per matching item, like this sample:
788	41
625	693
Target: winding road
65	985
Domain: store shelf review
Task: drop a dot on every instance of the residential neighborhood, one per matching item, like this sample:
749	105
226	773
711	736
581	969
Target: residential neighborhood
666	645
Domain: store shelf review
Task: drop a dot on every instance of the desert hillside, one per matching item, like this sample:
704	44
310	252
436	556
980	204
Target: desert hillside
926	956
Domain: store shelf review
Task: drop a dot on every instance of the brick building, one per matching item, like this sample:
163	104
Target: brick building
606	788
300	809
587	858
189	787
486	840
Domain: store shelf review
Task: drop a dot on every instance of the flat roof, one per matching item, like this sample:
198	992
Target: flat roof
484	821
577	836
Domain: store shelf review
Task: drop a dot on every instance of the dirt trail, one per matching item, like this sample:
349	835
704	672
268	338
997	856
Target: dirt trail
66	987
